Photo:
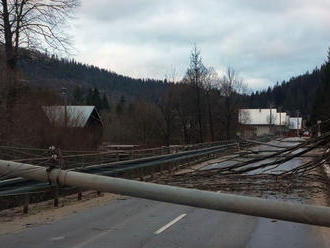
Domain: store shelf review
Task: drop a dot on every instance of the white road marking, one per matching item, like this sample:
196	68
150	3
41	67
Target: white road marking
170	224
57	238
87	242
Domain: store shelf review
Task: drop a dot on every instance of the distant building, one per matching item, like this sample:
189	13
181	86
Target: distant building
282	119
259	122
295	123
73	116
257	116
74	126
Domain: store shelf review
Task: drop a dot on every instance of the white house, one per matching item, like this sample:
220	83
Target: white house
281	119
257	116
259	122
295	123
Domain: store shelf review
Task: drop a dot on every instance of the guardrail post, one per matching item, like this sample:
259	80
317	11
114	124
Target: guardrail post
128	174
151	172
238	146
141	174
168	165
26	203
56	193
173	169
79	196
175	166
161	167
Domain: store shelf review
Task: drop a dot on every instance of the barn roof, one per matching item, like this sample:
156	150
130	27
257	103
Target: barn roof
77	116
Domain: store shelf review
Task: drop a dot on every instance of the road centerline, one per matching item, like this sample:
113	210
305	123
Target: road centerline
160	230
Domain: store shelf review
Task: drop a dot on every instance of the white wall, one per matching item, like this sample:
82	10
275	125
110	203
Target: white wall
295	123
258	116
281	117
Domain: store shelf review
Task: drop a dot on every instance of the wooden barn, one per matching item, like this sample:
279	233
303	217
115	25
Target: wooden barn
81	124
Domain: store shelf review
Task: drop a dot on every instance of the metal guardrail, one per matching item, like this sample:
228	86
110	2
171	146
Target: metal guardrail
20	185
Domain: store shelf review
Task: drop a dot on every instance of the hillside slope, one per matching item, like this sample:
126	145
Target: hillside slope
54	73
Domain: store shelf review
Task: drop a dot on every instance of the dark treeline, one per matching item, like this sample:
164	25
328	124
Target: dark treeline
321	107
53	73
296	94
306	95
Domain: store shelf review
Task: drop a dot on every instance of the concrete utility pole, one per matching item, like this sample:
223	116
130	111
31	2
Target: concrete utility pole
297	123
64	93
280	110
308	214
270	118
319	128
270	115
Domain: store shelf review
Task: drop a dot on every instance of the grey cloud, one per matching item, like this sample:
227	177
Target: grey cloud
264	40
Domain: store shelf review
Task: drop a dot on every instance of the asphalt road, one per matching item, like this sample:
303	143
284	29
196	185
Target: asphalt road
133	223
137	223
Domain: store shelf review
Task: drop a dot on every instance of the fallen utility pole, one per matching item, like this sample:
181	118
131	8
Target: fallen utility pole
301	213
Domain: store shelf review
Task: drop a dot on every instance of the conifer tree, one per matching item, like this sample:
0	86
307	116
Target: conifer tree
78	97
105	103
322	99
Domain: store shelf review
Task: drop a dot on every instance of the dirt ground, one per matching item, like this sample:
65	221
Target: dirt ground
13	220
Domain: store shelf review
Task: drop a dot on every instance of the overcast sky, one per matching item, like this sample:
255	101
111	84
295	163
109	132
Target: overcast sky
264	41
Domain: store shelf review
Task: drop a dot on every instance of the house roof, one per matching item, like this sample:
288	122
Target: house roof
77	116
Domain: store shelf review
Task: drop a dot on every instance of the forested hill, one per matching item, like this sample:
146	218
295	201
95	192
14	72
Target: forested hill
296	94
53	73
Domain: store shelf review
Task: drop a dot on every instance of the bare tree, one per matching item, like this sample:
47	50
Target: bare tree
34	24
210	84
183	105
168	115
171	76
195	76
166	105
231	87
